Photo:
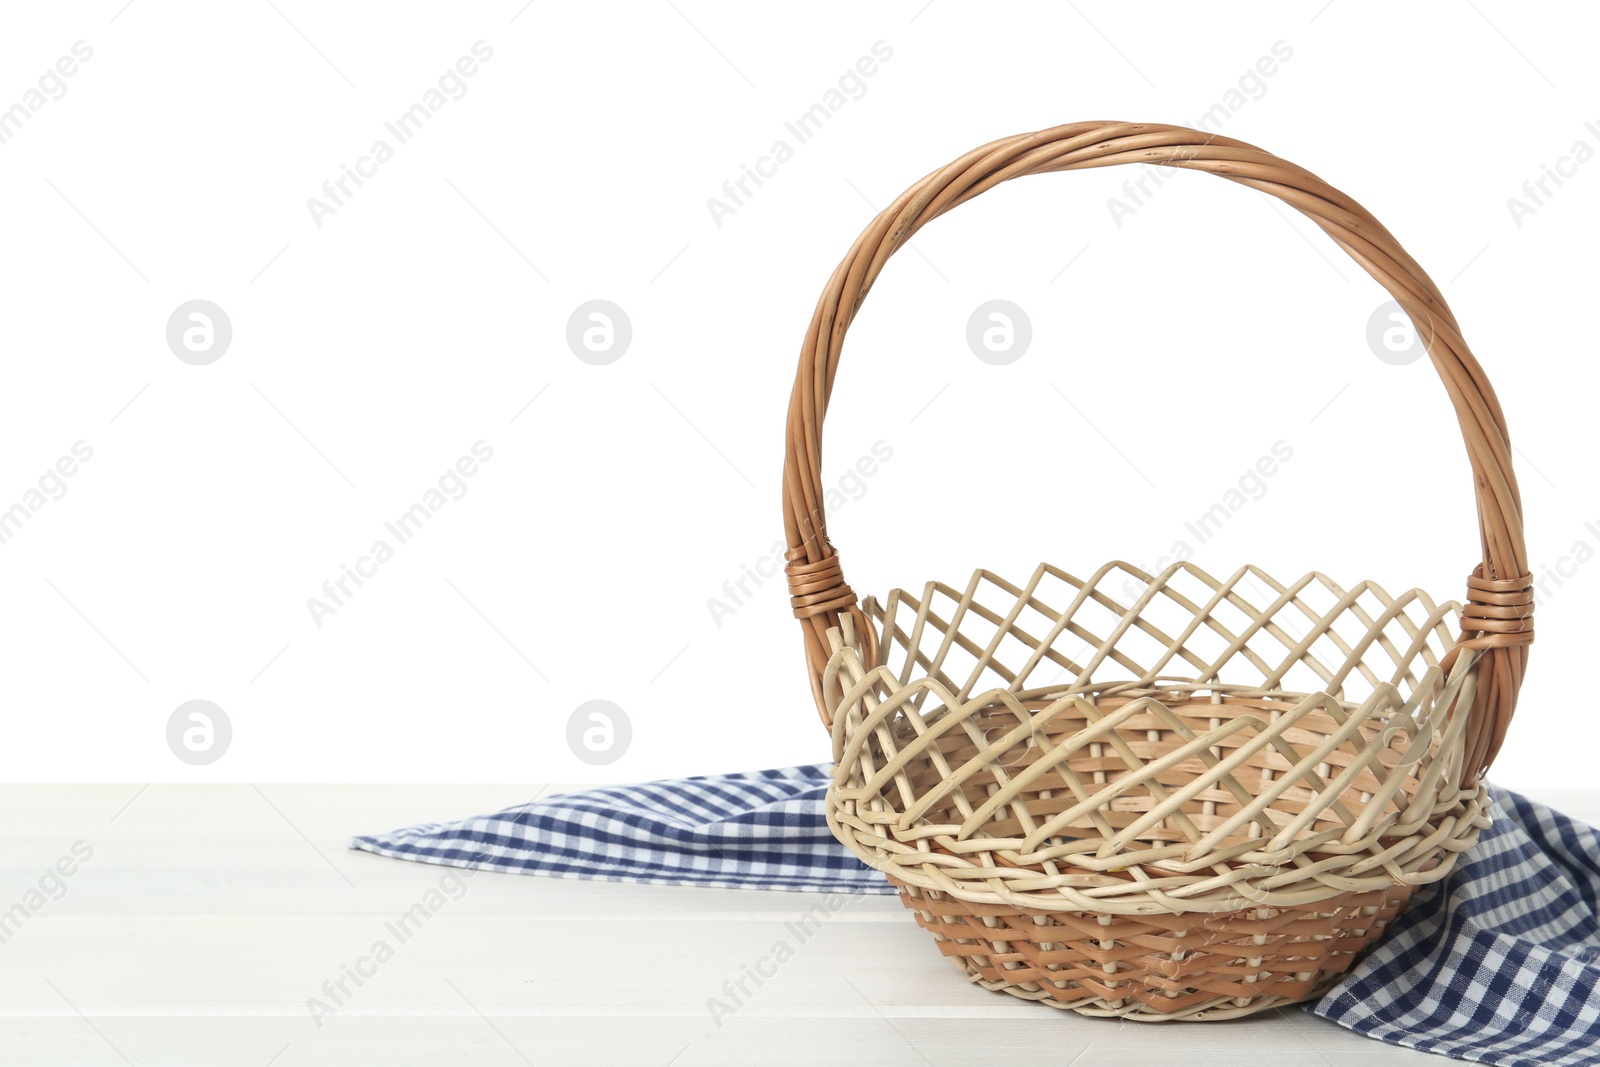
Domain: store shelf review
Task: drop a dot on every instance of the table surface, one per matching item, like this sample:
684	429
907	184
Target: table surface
207	921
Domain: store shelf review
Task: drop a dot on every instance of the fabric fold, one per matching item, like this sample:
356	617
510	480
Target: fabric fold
751	830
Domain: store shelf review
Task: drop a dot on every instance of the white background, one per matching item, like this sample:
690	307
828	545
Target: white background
372	351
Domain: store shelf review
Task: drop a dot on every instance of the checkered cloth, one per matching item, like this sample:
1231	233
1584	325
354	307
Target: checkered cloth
1499	963
753	830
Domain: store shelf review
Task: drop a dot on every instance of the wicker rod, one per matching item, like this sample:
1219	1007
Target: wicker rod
1497	621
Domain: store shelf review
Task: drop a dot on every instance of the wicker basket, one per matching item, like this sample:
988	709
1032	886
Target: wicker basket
1199	805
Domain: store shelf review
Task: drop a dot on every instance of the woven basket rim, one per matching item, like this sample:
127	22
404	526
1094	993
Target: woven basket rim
1368	793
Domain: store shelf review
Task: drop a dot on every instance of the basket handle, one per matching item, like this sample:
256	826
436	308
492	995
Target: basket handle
1497	620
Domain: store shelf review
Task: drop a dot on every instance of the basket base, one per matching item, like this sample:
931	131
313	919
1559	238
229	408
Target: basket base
1158	968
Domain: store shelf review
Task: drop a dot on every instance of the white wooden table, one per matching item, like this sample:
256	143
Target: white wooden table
209	917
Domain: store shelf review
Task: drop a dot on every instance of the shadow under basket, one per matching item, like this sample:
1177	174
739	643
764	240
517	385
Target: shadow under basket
1163	846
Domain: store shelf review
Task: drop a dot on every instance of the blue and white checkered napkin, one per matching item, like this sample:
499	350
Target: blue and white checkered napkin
1499	963
753	830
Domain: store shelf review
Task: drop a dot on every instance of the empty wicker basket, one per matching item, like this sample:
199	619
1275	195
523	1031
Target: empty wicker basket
1200	804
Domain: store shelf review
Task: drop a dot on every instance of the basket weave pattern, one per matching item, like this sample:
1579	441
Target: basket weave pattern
1200	804
1286	829
1122	966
